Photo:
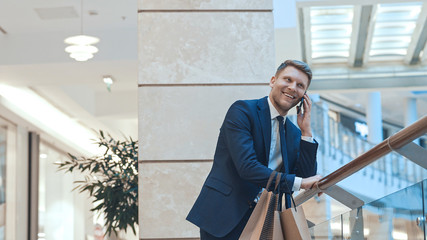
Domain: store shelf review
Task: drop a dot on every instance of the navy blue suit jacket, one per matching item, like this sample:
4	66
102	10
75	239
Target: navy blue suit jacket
239	169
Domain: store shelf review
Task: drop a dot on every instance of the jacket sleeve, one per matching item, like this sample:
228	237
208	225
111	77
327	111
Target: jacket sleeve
306	165
239	140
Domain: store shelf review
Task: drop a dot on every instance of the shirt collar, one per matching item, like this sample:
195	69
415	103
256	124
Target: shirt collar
273	111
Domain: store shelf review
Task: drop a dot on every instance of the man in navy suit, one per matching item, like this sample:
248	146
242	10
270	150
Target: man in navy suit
250	147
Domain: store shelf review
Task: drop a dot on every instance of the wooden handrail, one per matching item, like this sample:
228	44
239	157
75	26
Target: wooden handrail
395	141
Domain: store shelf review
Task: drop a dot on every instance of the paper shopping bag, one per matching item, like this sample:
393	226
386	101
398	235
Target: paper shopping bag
294	224
264	222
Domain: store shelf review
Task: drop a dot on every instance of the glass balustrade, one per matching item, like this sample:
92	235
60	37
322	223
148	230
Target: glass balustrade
421	220
331	229
398	216
338	146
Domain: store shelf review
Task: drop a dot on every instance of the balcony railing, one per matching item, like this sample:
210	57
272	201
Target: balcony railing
395	142
340	145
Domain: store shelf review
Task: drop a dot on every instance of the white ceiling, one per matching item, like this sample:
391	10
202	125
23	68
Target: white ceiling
21	16
32	55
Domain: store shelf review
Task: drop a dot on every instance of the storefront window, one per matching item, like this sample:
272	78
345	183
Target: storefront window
62	212
2	182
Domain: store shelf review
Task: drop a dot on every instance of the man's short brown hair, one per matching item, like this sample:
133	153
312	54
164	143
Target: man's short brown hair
300	65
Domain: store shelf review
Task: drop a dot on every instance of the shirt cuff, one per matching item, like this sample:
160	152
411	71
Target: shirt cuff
307	139
297	184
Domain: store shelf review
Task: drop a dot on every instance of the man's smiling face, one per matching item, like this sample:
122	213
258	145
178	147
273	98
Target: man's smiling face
287	88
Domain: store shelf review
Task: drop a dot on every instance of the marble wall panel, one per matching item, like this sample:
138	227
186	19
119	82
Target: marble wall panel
200	47
166	194
184	122
204	4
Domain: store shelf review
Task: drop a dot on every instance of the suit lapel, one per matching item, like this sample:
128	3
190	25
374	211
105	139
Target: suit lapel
265	119
290	141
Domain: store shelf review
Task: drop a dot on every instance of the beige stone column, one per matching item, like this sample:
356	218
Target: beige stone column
196	57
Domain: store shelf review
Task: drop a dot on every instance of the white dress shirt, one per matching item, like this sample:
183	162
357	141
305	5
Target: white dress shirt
275	157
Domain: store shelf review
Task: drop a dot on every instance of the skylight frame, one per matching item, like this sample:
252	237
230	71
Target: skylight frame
393	30
331	32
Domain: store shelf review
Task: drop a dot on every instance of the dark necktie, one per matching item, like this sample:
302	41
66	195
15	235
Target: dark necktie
283	143
284	158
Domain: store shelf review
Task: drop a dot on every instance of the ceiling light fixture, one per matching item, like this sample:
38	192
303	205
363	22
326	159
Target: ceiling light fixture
108	80
81	48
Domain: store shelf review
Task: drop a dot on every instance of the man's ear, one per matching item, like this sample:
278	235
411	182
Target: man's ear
272	81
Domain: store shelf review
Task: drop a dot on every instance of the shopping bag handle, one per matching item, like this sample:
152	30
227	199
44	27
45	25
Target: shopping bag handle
270	179
274	174
279	203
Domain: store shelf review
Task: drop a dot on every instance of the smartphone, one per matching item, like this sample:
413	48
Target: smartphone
300	105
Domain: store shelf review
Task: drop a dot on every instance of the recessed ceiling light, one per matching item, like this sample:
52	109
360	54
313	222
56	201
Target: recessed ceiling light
108	80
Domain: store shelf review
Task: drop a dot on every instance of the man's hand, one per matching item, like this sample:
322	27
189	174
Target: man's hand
303	120
308	183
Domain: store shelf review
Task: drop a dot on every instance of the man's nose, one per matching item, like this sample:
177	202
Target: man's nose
292	86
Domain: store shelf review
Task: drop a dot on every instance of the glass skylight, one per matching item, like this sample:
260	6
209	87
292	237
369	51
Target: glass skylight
331	29
393	30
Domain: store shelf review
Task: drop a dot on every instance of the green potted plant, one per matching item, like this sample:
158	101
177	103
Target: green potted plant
112	180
